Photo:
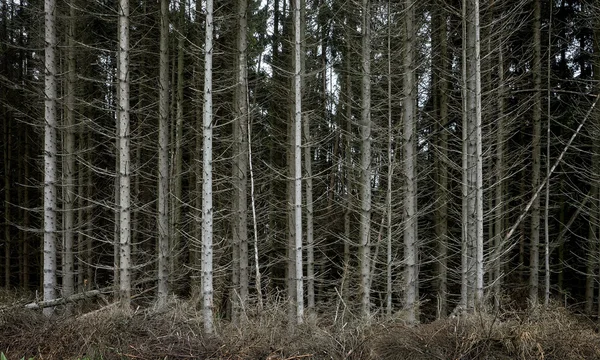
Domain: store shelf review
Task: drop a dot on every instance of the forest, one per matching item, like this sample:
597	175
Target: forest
358	175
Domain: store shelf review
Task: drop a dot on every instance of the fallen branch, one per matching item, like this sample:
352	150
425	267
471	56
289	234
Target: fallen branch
60	301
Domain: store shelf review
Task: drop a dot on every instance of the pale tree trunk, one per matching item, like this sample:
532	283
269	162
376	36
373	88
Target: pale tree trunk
390	158
298	39
594	191
124	163
465	248
310	231
207	195
50	154
409	157
365	161
478	160
239	296
441	112
534	252
163	158
68	279
348	171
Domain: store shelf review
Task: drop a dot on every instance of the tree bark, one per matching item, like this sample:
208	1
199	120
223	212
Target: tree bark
534	253
298	39
365	161
50	154
409	157
310	231
207	182
124	162
440	84
163	158
68	278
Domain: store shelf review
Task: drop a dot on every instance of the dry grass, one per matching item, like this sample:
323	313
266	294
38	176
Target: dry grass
176	333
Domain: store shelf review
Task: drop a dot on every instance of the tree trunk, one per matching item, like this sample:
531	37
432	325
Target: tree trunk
441	113
298	39
177	201
163	158
50	155
68	276
409	157
7	186
310	246
207	183
472	252
239	297
390	159
124	162
500	188
534	253
365	161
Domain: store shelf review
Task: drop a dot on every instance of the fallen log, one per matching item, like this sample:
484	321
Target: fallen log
60	301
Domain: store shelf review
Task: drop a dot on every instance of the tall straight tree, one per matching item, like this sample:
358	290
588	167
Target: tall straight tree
534	252
472	250
240	168
298	54
410	156
124	157
68	278
440	83
176	204
163	157
50	154
207	183
365	161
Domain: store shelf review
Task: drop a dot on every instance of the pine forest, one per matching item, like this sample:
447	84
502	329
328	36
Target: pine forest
300	179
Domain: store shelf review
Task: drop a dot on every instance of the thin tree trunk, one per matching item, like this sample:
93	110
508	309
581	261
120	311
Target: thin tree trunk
163	158
50	155
409	157
26	269
310	246
390	158
68	278
124	163
441	111
177	201
207	182
499	190
298	39
240	169
349	173
465	245
479	160
534	253
7	183
547	273
365	161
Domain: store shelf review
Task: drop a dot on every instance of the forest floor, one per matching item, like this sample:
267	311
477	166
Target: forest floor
104	332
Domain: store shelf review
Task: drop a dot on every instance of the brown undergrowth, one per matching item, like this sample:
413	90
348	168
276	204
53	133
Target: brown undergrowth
176	333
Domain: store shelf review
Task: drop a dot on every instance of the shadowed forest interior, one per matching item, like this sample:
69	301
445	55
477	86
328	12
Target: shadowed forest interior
398	159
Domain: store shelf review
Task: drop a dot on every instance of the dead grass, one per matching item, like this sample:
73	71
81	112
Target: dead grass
176	333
